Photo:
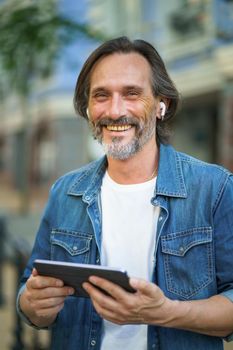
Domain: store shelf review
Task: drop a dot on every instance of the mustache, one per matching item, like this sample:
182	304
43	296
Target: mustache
125	120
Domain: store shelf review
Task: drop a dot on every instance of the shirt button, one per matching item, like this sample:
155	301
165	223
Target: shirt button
93	342
160	218
75	247
181	249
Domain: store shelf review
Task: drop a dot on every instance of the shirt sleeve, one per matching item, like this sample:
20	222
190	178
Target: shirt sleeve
41	249
223	227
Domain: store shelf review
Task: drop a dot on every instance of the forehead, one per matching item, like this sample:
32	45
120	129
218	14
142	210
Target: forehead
121	68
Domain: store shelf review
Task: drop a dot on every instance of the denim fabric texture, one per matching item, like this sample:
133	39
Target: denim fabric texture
193	251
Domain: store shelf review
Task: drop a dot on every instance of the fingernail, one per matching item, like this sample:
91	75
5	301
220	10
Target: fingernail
92	279
134	282
85	285
70	291
59	283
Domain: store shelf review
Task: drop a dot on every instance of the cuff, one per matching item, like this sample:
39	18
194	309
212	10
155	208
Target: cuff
229	295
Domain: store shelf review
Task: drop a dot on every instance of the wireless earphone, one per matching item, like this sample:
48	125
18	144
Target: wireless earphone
163	109
87	113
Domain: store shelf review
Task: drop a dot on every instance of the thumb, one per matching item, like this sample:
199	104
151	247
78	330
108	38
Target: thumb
34	272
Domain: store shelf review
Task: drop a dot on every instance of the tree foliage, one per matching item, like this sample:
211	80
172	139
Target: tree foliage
32	34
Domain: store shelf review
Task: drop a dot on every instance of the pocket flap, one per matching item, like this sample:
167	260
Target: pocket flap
74	242
179	243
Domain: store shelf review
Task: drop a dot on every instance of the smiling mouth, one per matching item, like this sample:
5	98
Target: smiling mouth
118	127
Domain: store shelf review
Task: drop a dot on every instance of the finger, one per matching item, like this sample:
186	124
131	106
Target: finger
48	303
49	311
96	293
51	292
110	288
111	309
99	298
38	282
114	310
35	295
109	314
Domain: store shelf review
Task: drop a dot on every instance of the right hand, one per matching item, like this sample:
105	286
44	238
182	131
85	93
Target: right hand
42	298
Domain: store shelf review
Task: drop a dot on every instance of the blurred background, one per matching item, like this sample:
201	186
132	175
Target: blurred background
43	44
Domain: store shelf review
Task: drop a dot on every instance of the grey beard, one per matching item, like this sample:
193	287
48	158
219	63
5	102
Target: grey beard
118	151
143	133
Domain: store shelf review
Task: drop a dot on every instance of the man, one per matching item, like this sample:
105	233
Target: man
163	216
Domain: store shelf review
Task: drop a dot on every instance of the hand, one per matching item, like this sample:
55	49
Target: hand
148	305
43	298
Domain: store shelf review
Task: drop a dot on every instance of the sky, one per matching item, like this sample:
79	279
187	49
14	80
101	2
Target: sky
75	54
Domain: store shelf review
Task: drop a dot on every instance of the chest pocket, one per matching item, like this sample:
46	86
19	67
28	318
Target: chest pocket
188	261
70	246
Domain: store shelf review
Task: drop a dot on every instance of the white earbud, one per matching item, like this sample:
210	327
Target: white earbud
87	111
163	109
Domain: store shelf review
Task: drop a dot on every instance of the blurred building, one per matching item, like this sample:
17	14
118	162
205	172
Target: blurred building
195	38
56	137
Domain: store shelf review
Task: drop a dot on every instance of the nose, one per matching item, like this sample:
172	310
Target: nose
116	107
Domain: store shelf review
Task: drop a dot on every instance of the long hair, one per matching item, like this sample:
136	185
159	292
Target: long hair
161	83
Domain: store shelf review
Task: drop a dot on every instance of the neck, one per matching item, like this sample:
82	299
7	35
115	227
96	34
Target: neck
140	168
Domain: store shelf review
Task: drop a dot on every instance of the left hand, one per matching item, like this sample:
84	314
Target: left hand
148	305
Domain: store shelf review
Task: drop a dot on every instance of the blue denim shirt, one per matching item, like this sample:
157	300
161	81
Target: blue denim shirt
193	251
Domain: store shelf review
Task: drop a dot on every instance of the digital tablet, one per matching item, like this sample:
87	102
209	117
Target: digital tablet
74	275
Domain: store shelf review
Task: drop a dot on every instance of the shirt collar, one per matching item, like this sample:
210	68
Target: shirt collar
170	180
88	180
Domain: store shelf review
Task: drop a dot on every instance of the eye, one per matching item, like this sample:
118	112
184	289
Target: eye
132	94
100	96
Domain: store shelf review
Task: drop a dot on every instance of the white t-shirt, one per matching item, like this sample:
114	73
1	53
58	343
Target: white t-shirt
129	223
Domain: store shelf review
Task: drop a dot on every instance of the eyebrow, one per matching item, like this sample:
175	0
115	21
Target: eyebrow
124	89
98	89
133	87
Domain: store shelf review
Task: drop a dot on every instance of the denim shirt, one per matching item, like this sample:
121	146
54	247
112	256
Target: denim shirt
193	251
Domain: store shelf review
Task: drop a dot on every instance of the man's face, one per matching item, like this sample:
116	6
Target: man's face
122	108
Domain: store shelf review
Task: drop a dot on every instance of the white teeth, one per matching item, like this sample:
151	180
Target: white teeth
118	127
